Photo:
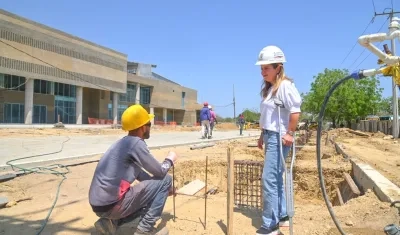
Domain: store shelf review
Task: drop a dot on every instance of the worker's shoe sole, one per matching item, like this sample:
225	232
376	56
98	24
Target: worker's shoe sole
284	222
163	231
106	226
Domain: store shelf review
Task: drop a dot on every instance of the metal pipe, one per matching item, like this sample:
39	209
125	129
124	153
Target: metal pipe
173	186
205	197
367	40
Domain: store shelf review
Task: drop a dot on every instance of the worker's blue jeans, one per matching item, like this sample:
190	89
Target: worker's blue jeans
272	181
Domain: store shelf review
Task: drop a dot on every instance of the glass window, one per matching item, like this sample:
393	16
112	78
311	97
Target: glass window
130	95
67	90
65	107
39	114
183	99
145	95
14	113
16	82
42	86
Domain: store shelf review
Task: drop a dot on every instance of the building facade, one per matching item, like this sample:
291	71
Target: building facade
47	76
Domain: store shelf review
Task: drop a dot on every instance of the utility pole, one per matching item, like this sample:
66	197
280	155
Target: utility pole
393	26
395	125
234	105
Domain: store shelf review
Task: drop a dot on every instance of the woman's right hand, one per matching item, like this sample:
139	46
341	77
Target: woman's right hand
260	142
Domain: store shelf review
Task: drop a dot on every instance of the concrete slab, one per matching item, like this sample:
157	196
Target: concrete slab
367	177
44	150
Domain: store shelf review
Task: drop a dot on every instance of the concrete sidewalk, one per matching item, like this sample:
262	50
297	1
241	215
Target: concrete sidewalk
87	146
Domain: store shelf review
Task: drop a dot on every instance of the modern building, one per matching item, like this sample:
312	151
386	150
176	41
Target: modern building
48	76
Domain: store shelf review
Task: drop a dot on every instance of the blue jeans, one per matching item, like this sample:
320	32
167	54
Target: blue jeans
272	181
149	194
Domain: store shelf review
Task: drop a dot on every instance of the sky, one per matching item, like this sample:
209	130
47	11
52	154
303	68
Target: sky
211	46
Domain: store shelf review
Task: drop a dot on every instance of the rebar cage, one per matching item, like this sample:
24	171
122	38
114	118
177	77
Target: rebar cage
247	186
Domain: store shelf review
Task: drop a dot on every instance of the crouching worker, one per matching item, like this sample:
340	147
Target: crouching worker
111	195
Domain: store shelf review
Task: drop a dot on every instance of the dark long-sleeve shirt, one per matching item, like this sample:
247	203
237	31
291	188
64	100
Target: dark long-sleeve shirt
122	164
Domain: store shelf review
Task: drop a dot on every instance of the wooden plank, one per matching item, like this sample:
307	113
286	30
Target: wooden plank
230	198
349	189
192	188
338	199
359	133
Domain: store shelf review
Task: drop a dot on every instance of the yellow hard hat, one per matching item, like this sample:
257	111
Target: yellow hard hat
134	117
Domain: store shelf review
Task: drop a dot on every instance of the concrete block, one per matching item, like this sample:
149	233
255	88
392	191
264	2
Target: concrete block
3	201
7	176
367	177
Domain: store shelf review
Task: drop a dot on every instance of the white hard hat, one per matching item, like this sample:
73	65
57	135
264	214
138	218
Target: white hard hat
209	107
271	55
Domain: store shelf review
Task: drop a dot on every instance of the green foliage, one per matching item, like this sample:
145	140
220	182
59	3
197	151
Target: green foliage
350	101
251	115
385	106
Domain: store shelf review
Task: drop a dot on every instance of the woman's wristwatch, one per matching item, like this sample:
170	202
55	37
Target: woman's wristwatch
291	133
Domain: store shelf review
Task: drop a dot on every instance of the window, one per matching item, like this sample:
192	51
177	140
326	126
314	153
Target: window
183	99
121	109
61	89
39	114
130	95
14	113
16	82
42	87
66	109
145	95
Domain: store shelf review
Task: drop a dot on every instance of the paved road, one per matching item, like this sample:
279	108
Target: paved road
83	146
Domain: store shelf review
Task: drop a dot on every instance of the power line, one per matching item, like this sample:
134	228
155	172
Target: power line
355	44
13	88
365	49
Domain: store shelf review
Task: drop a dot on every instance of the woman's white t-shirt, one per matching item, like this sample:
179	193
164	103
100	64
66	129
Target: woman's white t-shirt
291	99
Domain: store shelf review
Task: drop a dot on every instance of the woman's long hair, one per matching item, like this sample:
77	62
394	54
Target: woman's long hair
279	78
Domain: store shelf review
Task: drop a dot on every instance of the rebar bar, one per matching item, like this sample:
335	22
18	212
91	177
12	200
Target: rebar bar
247	188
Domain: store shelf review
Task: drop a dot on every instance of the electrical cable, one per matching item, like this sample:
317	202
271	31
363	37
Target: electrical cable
355	75
45	170
355	44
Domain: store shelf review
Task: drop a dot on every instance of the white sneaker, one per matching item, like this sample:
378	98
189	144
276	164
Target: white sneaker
284	222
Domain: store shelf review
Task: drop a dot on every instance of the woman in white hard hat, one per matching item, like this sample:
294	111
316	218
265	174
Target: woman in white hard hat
275	85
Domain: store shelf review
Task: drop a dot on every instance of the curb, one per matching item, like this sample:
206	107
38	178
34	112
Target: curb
366	177
83	158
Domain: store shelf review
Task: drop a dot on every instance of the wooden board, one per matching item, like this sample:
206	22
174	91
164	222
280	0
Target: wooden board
192	188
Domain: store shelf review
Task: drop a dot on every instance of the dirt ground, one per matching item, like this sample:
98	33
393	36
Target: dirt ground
378	150
9	132
364	215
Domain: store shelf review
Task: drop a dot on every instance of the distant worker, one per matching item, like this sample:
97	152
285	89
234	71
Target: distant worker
205	118
276	85
111	195
213	121
241	123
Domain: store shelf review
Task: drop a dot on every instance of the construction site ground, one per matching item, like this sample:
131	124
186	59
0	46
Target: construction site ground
364	215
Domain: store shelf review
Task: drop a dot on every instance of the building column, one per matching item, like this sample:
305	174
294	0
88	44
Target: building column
165	115
115	108
79	100
152	112
29	100
137	99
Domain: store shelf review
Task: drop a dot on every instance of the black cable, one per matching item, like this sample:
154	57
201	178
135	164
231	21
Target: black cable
356	75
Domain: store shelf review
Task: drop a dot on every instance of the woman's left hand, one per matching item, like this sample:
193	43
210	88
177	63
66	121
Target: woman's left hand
287	140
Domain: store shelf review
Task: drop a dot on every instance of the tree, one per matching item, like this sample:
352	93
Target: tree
251	115
350	101
385	106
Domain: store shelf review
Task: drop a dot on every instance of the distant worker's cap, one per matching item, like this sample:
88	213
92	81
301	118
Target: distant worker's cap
205	103
134	117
